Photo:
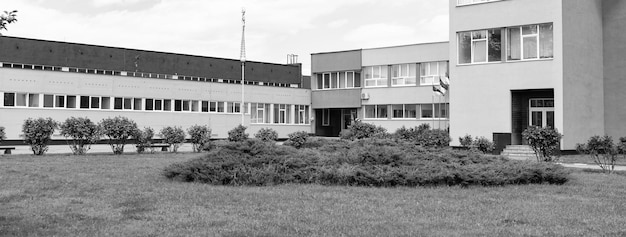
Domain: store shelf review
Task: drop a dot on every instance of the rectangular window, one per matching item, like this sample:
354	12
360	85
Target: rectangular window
326	80
71	101
178	105
205	106
149	104
230	107
137	103
158	105
95	102
375	111
325	117
258	113
186	105
480	46
195	107
106	102
167	105
404	111
33	100
397	111
237	107
48	101
9	99
213	106
427	111
59	101
375	76
280	113
220	107
403	74
84	102
320	83
431	72
128	103
530	42
118	103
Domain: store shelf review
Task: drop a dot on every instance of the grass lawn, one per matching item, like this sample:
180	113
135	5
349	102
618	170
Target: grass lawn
586	159
126	195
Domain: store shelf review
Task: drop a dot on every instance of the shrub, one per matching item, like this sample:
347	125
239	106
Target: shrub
434	138
544	141
174	136
118	130
238	134
361	130
200	137
82	131
603	151
143	139
483	145
37	133
2	134
466	141
297	139
266	134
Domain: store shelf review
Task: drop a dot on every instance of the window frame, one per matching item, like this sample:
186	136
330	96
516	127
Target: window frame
537	36
380	77
402	76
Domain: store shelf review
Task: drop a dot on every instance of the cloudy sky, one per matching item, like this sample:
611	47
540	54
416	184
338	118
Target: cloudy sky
274	28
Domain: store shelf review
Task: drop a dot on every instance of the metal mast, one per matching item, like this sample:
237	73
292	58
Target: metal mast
242	57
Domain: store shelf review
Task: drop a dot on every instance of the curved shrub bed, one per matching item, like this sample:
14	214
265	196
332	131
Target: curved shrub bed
381	163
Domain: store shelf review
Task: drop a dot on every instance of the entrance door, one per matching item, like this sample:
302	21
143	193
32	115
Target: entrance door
347	117
541	112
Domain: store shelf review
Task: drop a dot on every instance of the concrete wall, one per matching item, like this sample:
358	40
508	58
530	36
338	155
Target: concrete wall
415	53
341	98
335	62
614	38
32	51
583	89
480	102
34	81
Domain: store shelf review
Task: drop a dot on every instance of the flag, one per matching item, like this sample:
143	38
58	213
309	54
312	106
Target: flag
444	82
438	90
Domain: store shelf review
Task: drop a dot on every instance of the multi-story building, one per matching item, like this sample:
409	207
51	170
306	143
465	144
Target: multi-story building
391	87
554	63
59	80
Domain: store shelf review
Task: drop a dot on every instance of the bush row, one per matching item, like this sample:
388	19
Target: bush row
81	133
421	135
366	162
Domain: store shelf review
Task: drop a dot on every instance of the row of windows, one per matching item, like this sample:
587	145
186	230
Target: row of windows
529	42
378	76
140	74
406	111
262	113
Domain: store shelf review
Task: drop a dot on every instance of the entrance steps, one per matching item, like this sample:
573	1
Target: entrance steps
519	152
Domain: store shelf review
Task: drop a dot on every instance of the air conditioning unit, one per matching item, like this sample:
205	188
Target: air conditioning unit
365	96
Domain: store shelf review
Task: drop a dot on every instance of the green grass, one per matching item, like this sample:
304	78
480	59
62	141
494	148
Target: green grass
126	195
586	159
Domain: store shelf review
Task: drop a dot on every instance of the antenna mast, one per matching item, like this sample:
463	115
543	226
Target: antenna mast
242	57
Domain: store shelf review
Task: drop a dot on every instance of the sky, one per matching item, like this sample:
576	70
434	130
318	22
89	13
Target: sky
274	28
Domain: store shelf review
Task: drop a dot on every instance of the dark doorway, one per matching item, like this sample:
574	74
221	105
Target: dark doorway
530	107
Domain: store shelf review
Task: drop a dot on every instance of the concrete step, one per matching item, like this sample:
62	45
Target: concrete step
519	152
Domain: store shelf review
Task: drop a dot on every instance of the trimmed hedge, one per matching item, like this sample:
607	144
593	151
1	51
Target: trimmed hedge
380	163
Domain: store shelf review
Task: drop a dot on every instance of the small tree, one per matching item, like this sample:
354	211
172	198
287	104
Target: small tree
143	139
80	133
200	137
174	136
238	134
267	135
7	18
603	151
544	141
2	134
37	133
118	130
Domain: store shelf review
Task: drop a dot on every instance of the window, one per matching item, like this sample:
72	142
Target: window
149	104
220	107
84	102
260	113
167	105
59	101
282	113
375	76
403	74
404	111
158	105
375	111
137	103
302	114
205	106
213	107
470	2
71	102
95	102
335	80
33	100
431	72
128	103
118	103
430	111
9	99
48	101
530	42
325	117
178	105
186	105
480	46
106	103
427	111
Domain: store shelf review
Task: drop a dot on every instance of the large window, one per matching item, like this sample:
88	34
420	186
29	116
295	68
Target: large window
375	111
341	80
260	113
282	113
404	111
403	74
480	46
302	114
430	72
375	76
429	111
530	42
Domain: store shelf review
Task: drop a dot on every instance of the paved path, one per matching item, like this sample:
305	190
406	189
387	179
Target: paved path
587	166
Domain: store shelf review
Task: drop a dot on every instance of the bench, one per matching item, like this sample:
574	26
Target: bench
162	146
7	149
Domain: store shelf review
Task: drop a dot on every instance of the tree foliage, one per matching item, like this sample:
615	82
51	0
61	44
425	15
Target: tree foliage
200	137
80	133
7	18
544	141
603	151
2	134
238	134
143	139
119	130
37	133
174	136
266	134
